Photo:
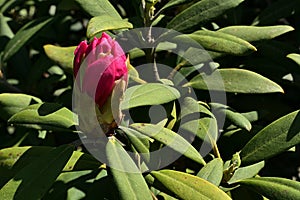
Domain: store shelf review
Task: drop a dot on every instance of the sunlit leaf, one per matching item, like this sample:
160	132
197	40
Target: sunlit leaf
62	55
273	187
256	33
275	138
34	180
212	171
48	116
11	103
234	80
104	23
149	94
129	181
188	187
171	139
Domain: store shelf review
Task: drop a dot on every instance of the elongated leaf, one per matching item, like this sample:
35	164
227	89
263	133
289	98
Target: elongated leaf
98	8
48	116
22	37
170	139
188	187
276	11
62	55
15	158
295	57
246	172
275	138
34	180
11	103
200	13
212	171
70	185
149	94
236	118
139	141
173	3
129	181
255	33
234	80
104	23
273	187
220	42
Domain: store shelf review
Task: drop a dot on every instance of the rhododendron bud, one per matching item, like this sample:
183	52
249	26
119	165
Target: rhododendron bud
100	69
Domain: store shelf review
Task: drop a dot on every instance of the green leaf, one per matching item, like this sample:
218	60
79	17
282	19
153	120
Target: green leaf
62	55
140	142
14	159
5	30
173	3
23	36
236	81
11	103
234	117
149	94
202	121
34	180
277	10
170	139
104	23
219	42
48	116
212	171
255	33
275	138
99	8
189	187
130	183
246	172
295	57
273	187
200	13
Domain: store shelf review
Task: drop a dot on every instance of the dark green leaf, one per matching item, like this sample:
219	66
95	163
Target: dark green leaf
275	138
276	11
189	187
99	8
48	116
34	180
200	13
140	142
234	117
129	181
11	103
234	80
273	187
21	38
171	139
173	3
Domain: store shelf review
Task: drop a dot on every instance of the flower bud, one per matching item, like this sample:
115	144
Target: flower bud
99	67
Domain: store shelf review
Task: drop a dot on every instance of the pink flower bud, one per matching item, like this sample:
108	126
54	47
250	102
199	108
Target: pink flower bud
103	62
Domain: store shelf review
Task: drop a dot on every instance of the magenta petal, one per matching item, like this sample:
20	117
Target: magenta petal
79	54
